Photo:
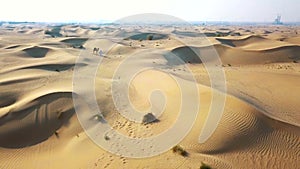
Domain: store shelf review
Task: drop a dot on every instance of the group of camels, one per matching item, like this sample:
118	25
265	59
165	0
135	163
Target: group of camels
97	51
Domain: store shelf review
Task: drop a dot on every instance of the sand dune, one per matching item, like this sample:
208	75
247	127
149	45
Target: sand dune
38	123
293	40
237	56
256	43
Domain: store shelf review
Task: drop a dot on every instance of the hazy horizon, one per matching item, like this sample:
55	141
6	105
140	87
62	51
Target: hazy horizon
189	10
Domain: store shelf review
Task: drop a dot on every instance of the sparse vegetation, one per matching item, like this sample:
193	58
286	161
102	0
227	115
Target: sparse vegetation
78	46
106	138
56	134
98	117
204	166
150	37
179	150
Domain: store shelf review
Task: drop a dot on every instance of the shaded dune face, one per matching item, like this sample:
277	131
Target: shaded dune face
13	47
188	34
6	100
237	56
36	52
75	42
186	54
232	52
147	36
242	41
37	122
53	67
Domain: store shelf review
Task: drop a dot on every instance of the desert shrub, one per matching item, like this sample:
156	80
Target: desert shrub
78	46
106	138
150	37
204	166
179	150
98	117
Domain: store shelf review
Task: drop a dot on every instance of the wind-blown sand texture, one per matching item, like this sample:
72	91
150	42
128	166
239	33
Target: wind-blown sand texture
259	127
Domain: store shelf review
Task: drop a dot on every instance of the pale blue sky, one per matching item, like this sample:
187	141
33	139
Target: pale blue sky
190	10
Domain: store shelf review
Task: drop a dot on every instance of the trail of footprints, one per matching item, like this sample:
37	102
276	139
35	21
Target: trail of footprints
106	160
132	130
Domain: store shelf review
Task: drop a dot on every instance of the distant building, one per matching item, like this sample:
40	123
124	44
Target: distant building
277	21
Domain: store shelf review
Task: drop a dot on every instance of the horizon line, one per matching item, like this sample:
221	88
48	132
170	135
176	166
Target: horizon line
114	22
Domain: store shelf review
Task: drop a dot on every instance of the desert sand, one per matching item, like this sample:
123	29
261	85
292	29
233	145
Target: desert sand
259	128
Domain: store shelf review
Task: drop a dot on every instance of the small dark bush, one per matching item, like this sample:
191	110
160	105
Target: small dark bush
106	138
150	37
204	166
179	150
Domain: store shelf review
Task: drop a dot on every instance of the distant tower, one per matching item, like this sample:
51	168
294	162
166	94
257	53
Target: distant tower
277	21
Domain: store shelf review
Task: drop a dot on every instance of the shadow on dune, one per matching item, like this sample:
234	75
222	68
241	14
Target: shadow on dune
13	47
147	36
75	42
6	100
55	67
36	123
186	54
233	56
191	54
243	41
36	52
188	34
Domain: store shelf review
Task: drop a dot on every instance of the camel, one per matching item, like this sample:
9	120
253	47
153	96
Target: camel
95	51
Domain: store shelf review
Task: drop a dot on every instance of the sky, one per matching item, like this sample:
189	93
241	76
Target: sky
110	10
